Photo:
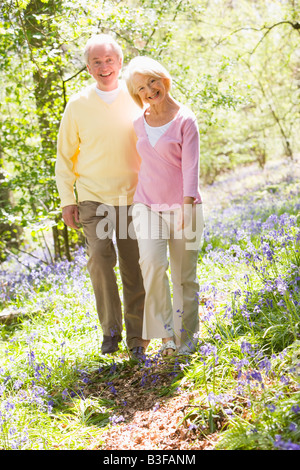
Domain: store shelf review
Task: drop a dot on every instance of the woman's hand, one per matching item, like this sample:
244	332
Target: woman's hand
185	213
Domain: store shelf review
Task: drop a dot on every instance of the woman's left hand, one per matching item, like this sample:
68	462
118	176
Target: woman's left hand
185	213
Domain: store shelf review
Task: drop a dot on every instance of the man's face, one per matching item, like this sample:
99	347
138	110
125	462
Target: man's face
104	65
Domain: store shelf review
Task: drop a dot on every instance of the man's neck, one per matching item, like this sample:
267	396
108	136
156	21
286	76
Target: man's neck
113	87
108	96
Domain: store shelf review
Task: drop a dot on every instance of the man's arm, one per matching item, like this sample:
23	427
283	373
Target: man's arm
67	151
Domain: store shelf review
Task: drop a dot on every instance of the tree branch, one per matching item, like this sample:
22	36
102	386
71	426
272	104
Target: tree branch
269	28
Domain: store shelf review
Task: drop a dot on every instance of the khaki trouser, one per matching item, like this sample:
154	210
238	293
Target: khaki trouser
156	232
100	224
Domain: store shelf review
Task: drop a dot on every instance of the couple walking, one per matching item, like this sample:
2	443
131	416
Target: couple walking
133	153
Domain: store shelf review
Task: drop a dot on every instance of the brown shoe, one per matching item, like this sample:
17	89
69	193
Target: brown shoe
110	344
138	353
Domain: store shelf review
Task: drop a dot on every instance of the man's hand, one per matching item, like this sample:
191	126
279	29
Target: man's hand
70	215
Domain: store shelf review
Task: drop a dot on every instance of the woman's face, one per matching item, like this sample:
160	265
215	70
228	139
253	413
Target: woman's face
151	90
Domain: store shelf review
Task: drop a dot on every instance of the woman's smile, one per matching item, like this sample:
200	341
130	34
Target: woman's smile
154	96
150	89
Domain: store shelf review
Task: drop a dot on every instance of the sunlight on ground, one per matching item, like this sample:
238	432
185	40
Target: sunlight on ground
246	179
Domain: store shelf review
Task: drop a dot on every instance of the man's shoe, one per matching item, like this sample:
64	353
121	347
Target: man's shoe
138	353
110	344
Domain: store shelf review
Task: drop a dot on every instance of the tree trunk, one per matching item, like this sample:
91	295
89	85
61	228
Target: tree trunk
9	233
36	33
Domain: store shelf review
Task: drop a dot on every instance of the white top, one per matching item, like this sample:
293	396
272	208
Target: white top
154	133
108	96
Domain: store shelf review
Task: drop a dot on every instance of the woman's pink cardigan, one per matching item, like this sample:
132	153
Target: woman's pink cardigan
170	170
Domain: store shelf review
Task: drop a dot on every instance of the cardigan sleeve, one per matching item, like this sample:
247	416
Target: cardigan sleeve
190	158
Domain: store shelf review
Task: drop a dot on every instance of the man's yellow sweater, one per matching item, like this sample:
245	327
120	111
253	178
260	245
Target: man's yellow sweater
96	149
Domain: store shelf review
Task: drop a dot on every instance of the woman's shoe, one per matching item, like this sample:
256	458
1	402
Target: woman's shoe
168	348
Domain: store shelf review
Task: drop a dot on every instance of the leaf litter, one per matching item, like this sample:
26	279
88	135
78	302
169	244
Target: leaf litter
150	410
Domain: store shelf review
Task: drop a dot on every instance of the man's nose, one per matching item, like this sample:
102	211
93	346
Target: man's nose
103	66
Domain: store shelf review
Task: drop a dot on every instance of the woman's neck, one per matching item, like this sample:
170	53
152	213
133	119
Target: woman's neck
160	114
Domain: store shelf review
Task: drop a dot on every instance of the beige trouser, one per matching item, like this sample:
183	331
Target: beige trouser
100	224
156	232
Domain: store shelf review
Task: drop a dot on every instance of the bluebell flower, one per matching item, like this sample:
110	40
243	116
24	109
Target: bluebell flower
192	426
8	406
295	409
293	427
284	380
112	388
50	406
116	419
246	348
265	363
279	443
271	408
255	375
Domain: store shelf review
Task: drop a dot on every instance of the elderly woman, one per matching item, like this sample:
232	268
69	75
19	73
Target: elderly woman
167	207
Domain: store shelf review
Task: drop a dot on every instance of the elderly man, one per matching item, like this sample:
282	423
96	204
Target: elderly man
96	150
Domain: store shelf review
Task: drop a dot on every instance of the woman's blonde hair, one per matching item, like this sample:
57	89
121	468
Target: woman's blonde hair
145	66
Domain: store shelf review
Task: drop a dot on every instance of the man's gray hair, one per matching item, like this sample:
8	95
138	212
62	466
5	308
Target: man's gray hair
102	39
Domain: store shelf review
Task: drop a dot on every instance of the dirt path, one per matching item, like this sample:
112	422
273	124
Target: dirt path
148	418
160	428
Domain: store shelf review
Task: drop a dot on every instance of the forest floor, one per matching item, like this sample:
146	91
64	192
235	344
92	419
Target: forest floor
112	403
154	422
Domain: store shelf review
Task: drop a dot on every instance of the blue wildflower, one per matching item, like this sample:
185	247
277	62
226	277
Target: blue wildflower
295	409
279	443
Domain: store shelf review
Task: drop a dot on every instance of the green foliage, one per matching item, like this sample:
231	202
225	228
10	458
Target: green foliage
224	59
